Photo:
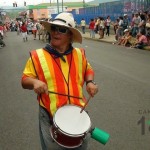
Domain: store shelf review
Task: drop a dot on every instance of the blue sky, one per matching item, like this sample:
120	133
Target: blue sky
33	2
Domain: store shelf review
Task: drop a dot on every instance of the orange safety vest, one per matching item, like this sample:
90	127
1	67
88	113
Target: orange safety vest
49	71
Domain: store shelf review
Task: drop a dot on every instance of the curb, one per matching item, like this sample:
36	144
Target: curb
109	42
98	40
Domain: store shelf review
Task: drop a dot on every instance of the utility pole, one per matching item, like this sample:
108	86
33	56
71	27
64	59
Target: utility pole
25	3
0	15
58	6
84	6
50	2
83	3
62	5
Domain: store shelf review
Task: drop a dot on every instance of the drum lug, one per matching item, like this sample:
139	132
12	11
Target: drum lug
55	134
84	137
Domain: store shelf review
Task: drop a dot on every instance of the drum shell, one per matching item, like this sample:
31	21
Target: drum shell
65	140
69	140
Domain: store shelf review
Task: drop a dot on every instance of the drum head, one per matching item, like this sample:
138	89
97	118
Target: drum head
69	120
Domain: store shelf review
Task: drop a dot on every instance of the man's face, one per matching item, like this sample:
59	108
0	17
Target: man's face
60	36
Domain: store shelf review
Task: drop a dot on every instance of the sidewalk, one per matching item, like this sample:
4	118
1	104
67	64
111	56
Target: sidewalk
107	39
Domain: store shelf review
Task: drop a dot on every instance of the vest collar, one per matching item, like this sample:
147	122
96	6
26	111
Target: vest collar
51	50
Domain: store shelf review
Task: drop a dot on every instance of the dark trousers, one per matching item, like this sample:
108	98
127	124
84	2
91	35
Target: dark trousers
107	30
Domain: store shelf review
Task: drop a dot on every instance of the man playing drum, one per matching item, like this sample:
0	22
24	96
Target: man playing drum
57	74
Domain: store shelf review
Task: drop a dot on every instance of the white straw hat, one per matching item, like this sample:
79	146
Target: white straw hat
126	30
66	20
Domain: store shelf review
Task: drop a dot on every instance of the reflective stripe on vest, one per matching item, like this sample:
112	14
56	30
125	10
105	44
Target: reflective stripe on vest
49	70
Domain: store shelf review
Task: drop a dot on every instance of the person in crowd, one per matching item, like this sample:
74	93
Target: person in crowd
125	22
2	43
83	25
131	23
142	23
92	27
43	32
148	36
39	31
29	26
148	29
57	73
107	25
23	29
128	39
8	26
119	31
141	40
136	22
122	39
5	30
2	30
101	28
34	30
17	26
13	26
148	24
145	13
116	24
97	22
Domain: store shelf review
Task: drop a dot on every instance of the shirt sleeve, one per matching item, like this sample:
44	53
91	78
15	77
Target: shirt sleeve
89	70
29	70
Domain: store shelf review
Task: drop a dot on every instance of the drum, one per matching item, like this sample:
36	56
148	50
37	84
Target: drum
70	127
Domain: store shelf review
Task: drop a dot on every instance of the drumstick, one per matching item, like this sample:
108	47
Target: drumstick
65	95
85	104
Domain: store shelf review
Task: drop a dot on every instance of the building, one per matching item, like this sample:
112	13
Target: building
113	8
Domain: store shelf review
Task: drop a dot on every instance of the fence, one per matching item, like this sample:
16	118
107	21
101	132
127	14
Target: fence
112	9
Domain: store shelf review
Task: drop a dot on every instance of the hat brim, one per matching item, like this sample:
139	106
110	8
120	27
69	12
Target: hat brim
77	37
126	30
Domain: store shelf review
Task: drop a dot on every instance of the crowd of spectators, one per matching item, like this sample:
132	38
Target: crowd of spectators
135	33
129	31
23	28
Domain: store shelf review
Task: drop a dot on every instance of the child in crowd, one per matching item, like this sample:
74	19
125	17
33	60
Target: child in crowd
127	40
122	39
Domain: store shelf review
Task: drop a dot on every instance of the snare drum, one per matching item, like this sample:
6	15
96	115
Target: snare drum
70	126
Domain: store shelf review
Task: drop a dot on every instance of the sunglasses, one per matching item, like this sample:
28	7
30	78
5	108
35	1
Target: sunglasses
59	29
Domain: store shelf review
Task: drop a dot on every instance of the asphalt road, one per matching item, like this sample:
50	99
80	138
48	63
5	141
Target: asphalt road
122	106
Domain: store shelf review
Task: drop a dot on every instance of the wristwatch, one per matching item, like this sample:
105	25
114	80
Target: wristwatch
90	81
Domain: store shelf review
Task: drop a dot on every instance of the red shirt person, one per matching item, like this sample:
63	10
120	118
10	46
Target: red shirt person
23	29
92	28
1	30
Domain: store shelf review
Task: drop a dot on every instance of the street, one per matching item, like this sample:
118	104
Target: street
121	107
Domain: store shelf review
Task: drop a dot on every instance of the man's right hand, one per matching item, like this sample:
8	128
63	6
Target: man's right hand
40	87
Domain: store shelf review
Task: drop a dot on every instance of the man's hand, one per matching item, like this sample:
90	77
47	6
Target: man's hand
91	88
40	87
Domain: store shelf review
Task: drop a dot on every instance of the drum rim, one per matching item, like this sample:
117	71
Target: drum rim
74	135
68	134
